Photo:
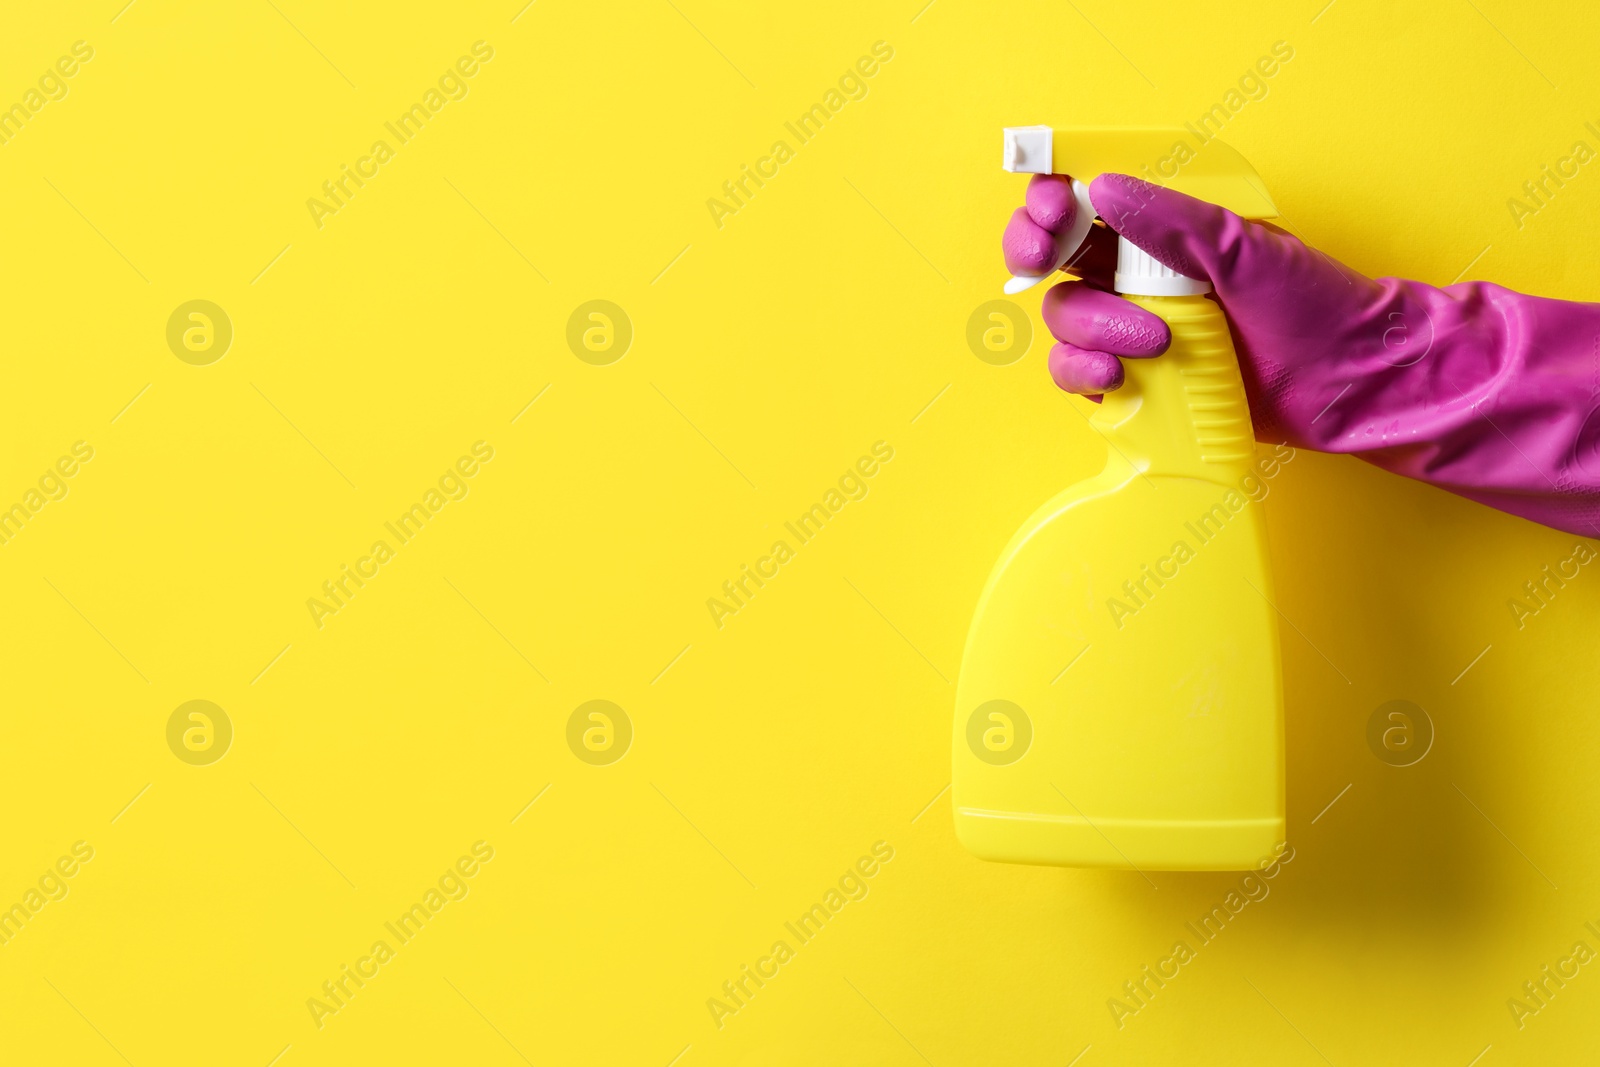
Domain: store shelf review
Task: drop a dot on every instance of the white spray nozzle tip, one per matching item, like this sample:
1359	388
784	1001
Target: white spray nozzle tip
1028	149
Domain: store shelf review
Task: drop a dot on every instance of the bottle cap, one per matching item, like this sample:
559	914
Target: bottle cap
1141	274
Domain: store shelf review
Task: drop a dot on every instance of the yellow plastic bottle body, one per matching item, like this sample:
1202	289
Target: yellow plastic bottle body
1120	698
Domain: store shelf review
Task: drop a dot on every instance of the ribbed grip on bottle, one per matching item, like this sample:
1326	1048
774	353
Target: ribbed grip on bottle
1184	413
1141	274
1219	412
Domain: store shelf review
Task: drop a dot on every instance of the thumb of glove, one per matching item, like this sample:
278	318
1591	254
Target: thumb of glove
1190	236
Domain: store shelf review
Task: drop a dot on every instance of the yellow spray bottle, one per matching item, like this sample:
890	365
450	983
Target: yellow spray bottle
1120	700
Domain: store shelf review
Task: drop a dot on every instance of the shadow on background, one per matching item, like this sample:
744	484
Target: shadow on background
1372	586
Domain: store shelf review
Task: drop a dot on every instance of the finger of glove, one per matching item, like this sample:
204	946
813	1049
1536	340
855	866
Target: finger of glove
1029	248
1082	371
1093	319
1050	202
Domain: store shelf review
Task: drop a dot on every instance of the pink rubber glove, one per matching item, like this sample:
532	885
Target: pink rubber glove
1474	388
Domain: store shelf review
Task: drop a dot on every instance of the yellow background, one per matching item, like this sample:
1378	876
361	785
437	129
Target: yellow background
766	358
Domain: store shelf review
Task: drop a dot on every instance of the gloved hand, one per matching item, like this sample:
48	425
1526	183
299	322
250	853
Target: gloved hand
1474	388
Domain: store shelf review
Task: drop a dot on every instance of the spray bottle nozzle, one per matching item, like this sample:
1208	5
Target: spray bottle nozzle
1028	149
1166	157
